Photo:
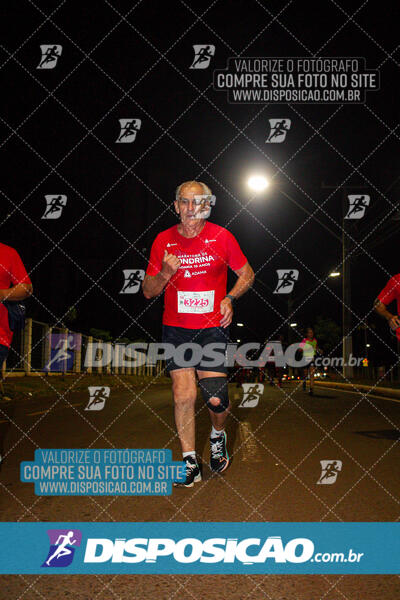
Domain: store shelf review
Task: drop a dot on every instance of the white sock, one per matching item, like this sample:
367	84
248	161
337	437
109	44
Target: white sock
215	433
191	453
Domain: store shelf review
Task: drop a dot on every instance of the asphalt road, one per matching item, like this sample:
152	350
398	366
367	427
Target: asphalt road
276	449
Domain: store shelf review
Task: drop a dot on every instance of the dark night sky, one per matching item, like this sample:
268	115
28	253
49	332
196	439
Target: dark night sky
59	126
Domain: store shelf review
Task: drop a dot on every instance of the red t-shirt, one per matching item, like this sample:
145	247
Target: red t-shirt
12	271
193	294
391	292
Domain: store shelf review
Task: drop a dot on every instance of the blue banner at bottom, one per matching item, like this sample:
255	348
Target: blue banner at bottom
201	548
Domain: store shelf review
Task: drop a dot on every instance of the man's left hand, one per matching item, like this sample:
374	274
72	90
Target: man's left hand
226	312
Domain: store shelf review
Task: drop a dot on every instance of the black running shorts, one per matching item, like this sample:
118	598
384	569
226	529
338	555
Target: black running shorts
184	357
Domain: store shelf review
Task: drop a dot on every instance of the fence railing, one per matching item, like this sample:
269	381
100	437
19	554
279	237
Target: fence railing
41	349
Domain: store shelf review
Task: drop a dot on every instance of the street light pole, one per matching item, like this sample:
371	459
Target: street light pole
290	329
347	349
347	341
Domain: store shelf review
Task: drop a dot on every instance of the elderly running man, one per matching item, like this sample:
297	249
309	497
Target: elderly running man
190	261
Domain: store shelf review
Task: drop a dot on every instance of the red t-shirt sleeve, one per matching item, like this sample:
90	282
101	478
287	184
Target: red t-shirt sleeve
236	258
156	256
18	272
391	291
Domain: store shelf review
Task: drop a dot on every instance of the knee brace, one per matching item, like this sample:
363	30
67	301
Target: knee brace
215	387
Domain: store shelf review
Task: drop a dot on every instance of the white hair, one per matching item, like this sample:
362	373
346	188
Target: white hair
206	189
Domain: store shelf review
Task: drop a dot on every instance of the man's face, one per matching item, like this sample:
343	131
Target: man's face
186	205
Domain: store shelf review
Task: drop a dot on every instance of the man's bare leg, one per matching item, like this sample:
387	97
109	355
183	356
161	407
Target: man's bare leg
184	391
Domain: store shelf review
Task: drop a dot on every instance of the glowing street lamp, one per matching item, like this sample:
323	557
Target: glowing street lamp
258	183
334	274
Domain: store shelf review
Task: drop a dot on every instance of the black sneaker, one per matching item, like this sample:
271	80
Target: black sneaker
304	386
193	474
219	458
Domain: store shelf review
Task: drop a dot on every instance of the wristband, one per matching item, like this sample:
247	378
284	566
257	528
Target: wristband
231	298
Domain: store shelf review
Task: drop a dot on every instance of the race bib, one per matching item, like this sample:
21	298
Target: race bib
196	302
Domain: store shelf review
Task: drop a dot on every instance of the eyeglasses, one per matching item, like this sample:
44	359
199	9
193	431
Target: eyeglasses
200	199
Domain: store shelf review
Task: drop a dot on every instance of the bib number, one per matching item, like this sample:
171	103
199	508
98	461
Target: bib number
196	302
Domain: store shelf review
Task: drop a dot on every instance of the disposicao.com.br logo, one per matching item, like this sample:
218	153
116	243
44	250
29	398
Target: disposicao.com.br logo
247	551
200	548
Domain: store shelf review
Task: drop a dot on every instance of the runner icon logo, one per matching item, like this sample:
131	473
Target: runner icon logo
286	280
133	279
279	129
252	393
62	348
63	543
50	55
202	56
54	206
187	273
97	397
357	206
329	471
129	129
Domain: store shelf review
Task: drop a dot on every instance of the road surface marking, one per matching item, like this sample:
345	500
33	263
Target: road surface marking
41	412
248	443
359	392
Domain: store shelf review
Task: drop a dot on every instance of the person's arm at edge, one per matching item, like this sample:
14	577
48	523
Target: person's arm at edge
381	309
20	291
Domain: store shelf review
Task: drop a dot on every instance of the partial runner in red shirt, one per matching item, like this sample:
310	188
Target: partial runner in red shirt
15	285
390	292
190	262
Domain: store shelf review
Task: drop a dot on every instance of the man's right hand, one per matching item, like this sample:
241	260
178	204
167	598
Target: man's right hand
170	265
394	322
